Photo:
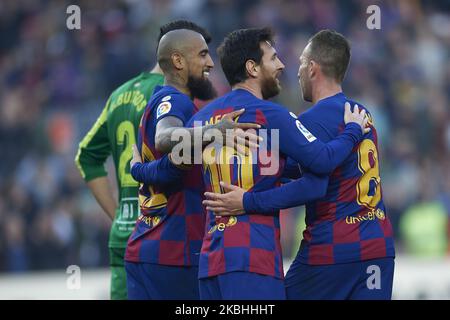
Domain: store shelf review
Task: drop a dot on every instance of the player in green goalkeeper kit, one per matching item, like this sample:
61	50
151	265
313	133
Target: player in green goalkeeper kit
114	132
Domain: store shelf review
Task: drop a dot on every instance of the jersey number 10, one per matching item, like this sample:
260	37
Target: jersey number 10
219	167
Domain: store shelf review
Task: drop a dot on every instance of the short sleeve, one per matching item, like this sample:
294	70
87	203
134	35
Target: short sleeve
175	105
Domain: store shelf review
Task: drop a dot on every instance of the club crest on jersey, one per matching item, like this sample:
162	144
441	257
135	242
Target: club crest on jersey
308	135
163	108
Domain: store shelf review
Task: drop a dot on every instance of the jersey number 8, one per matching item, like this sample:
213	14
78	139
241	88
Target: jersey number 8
368	186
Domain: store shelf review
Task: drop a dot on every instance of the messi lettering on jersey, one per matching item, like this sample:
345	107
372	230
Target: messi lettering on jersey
251	242
246	242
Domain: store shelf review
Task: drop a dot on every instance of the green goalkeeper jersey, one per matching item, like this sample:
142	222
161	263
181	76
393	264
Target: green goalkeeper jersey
114	132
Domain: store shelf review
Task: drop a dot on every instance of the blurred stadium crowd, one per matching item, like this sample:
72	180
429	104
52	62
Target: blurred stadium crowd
54	83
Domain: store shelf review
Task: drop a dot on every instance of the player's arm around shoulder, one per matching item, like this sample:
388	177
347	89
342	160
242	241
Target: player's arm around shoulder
172	113
158	172
296	141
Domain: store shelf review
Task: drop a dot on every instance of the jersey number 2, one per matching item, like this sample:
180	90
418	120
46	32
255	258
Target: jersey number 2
126	138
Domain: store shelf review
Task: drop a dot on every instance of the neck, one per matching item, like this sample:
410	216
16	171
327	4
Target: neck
253	88
157	69
178	83
326	89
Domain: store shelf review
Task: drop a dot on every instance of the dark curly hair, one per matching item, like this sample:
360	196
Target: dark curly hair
240	46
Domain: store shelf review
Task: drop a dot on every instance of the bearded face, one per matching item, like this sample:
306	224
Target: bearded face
271	68
270	87
201	88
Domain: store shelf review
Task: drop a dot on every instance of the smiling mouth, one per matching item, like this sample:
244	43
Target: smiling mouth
206	74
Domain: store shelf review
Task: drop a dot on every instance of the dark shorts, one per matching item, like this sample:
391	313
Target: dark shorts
364	280
241	285
147	281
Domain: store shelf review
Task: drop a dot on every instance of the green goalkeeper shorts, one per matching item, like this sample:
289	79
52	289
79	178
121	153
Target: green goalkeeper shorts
118	275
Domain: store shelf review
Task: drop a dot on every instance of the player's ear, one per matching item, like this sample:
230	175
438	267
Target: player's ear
252	68
312	68
178	61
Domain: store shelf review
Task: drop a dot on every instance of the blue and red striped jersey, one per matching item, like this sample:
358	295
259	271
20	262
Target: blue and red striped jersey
170	228
251	242
350	223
